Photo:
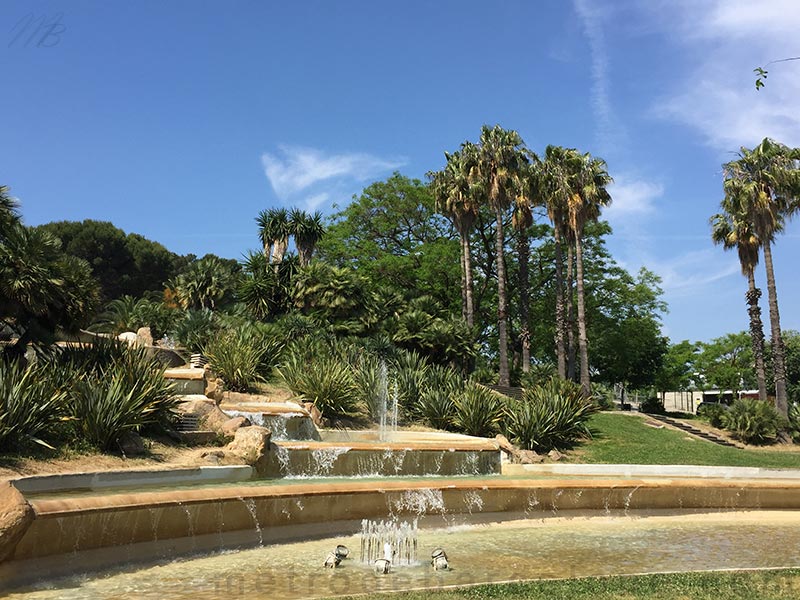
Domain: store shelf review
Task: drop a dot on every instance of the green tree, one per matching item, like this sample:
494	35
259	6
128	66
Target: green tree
727	362
307	230
767	178
678	367
733	230
589	180
123	264
274	230
459	200
500	161
207	283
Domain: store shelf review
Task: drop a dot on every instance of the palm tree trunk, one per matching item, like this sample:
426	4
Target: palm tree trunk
502	303
468	281
583	344
570	322
561	354
778	363
523	251
756	333
463	277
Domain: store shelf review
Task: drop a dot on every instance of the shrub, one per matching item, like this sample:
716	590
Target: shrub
370	379
243	357
794	421
30	406
410	375
549	416
325	381
652	406
752	421
436	400
714	413
603	396
478	410
196	329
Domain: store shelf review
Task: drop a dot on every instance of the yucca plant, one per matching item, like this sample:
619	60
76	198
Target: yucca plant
30	406
551	415
478	410
410	374
370	378
752	421
325	381
242	357
104	412
436	400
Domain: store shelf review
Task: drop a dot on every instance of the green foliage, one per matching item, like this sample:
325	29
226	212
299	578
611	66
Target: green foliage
196	329
265	289
552	415
326	381
652	406
123	264
207	283
794	421
243	356
727	362
752	421
436	400
410	375
677	368
30	405
478	410
714	412
129	314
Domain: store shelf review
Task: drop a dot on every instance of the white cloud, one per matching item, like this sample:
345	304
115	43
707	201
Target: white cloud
312	203
632	197
726	40
296	168
694	272
592	16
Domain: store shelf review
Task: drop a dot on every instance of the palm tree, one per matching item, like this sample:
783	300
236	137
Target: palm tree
522	219
500	161
555	189
458	199
590	178
767	178
732	229
273	229
307	231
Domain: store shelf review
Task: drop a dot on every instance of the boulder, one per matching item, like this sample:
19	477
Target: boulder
506	446
528	457
131	444
231	426
313	411
208	414
215	387
16	515
251	444
130	338
144	334
555	455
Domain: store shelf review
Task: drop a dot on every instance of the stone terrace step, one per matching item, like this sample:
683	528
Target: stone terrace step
690	429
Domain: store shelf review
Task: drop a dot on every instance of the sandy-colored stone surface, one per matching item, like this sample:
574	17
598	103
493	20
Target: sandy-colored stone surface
16	515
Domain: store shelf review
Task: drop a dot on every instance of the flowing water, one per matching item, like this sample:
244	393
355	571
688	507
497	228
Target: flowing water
551	547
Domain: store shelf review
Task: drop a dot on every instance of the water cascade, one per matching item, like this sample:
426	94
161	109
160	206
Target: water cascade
388	408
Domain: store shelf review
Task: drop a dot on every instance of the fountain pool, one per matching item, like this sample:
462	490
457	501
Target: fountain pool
549	546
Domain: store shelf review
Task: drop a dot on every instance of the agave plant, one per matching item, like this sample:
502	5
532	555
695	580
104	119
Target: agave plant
551	415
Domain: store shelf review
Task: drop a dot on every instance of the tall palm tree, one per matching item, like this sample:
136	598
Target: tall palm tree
273	230
732	229
307	231
555	189
458	198
590	179
768	179
500	161
522	219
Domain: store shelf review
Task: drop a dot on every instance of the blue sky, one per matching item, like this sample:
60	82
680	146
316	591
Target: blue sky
181	120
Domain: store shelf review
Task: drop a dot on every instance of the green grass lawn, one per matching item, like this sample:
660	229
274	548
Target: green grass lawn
761	585
624	438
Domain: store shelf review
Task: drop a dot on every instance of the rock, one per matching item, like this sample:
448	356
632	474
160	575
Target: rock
215	387
231	426
16	515
555	455
131	444
251	444
505	445
144	334
209	415
130	338
528	457
313	411
214	457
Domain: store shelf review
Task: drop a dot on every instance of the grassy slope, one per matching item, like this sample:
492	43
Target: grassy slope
624	438
763	585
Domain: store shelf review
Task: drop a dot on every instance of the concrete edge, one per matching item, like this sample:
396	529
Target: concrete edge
100	480
624	470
